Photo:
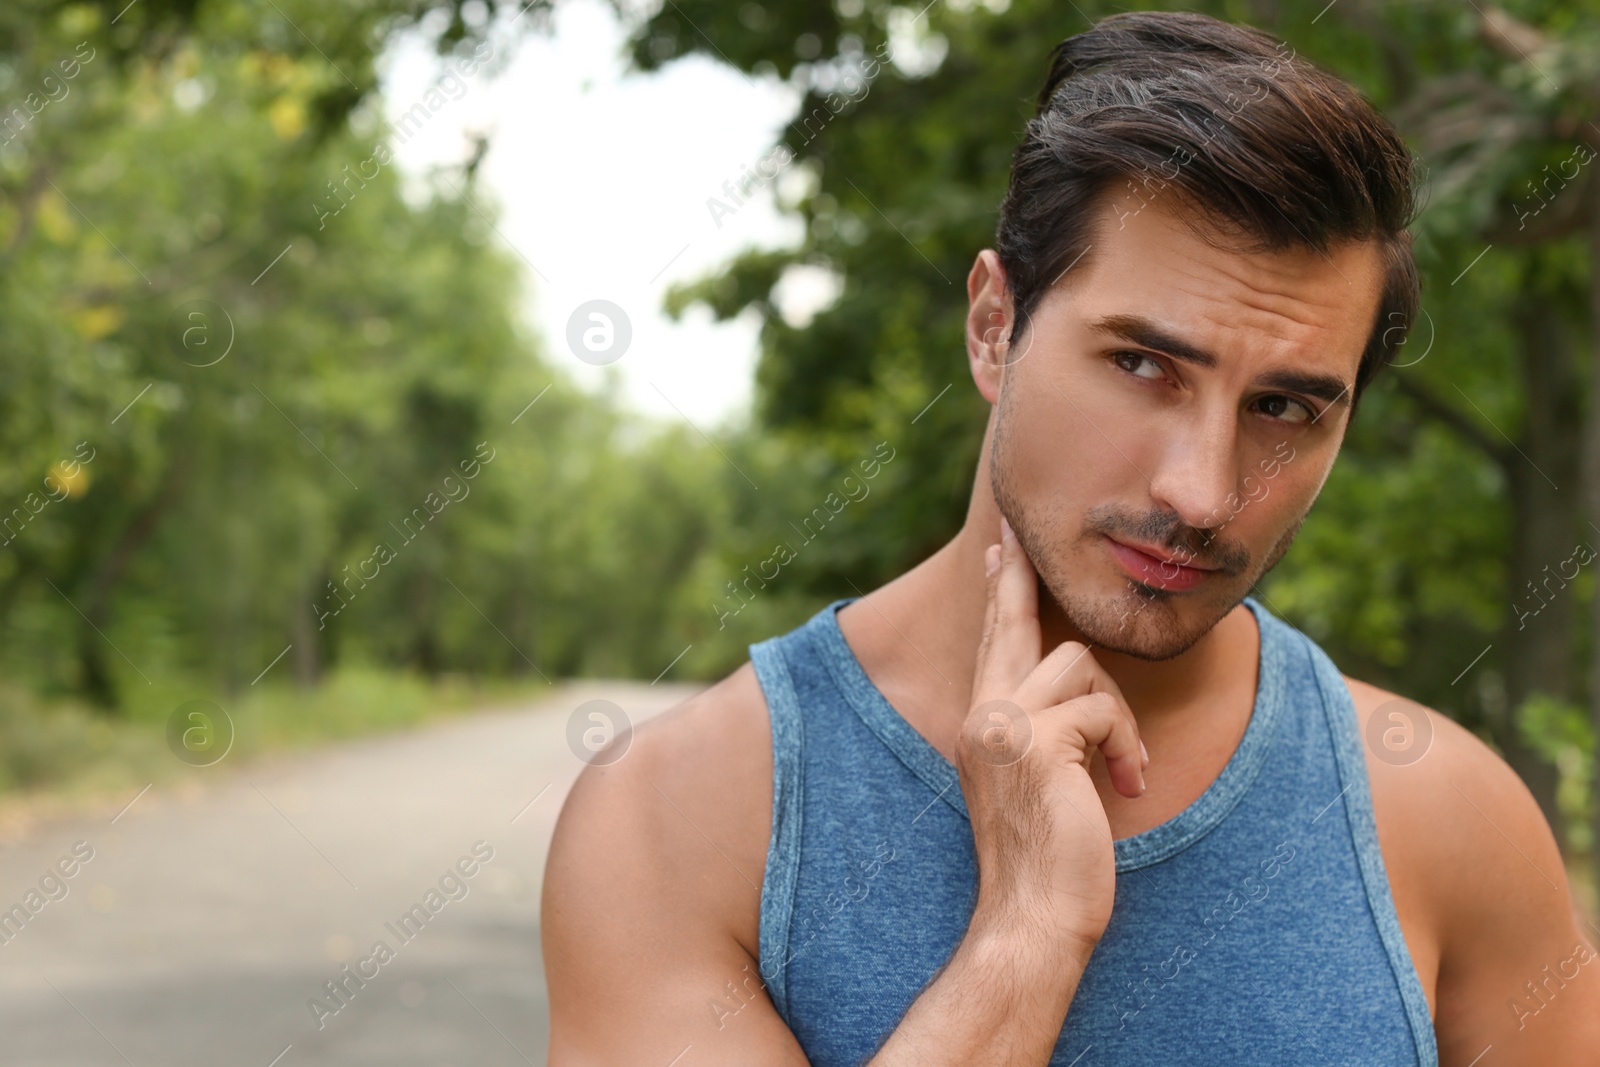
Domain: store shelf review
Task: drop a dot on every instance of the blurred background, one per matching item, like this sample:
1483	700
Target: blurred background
394	392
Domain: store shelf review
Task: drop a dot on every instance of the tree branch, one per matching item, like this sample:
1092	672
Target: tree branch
1568	214
27	200
1398	59
1511	37
1431	405
132	539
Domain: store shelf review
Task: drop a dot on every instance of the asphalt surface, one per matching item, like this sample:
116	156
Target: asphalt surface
212	911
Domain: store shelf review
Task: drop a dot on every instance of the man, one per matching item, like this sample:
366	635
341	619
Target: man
1065	792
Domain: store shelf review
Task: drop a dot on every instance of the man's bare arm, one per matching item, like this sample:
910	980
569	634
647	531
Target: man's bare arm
652	889
1517	972
652	895
645	961
1518	980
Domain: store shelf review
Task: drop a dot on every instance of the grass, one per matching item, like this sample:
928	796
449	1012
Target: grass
58	755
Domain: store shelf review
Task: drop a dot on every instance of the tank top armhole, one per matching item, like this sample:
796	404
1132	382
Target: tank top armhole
783	847
1344	728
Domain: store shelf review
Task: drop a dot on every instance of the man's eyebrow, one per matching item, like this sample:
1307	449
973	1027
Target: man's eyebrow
1327	387
1139	330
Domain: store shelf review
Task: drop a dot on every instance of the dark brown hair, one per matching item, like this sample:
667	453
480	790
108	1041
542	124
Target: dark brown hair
1266	152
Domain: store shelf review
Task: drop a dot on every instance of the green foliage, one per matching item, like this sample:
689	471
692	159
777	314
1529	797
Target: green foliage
65	749
311	418
1561	730
37	744
234	510
1437	511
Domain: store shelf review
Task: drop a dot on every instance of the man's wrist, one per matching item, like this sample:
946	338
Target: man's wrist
1028	955
1028	935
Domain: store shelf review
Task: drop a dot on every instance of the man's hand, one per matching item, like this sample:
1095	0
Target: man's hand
1045	858
1046	865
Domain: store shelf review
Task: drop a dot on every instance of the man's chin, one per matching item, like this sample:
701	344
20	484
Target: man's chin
1141	626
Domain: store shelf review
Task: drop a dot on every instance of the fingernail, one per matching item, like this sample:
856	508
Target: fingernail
1145	753
991	559
1005	529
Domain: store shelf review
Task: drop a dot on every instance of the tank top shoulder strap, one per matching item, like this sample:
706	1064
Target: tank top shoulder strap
772	661
1356	795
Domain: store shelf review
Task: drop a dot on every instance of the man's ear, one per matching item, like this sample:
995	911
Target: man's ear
989	323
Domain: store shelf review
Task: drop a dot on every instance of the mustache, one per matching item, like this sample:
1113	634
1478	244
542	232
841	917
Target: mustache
1185	545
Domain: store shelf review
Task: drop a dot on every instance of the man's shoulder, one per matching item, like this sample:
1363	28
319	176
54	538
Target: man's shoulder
651	905
1470	857
1450	803
1411	736
687	766
679	823
719	739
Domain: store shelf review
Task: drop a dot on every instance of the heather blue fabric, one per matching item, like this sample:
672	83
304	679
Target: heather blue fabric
1254	927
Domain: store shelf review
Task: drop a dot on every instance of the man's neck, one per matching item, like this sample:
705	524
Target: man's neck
918	637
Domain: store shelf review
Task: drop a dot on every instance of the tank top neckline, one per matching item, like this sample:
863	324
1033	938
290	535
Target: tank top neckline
1152	846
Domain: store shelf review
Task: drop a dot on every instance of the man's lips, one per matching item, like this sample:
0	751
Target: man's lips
1156	566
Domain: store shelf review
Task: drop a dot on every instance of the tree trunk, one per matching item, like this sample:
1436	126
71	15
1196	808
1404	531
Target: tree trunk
303	657
1545	510
1591	484
517	625
95	677
425	646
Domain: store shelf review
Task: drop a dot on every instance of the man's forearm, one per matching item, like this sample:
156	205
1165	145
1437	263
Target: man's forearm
1001	999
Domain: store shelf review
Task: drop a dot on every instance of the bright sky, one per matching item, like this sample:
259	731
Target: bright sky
603	181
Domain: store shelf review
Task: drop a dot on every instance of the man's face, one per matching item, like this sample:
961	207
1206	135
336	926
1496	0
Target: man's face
1183	400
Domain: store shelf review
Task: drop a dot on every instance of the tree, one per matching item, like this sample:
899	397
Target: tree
305	398
1460	481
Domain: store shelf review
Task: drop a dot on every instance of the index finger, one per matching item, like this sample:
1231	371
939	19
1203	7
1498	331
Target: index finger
1069	671
1010	648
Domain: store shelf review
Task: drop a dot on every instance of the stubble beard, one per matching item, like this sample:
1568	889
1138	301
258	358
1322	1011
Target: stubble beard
1140	620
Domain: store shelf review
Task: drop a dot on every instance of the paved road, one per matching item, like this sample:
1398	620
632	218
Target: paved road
212	911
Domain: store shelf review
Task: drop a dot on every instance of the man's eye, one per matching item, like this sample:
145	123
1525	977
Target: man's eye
1286	409
1138	364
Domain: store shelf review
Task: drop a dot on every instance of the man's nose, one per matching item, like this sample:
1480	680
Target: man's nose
1198	470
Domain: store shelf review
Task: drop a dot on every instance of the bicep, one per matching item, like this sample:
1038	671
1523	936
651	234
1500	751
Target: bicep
707	1008
639	965
1533	1002
1519	974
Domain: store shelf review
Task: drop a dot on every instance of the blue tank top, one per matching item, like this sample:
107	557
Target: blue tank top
1256	926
